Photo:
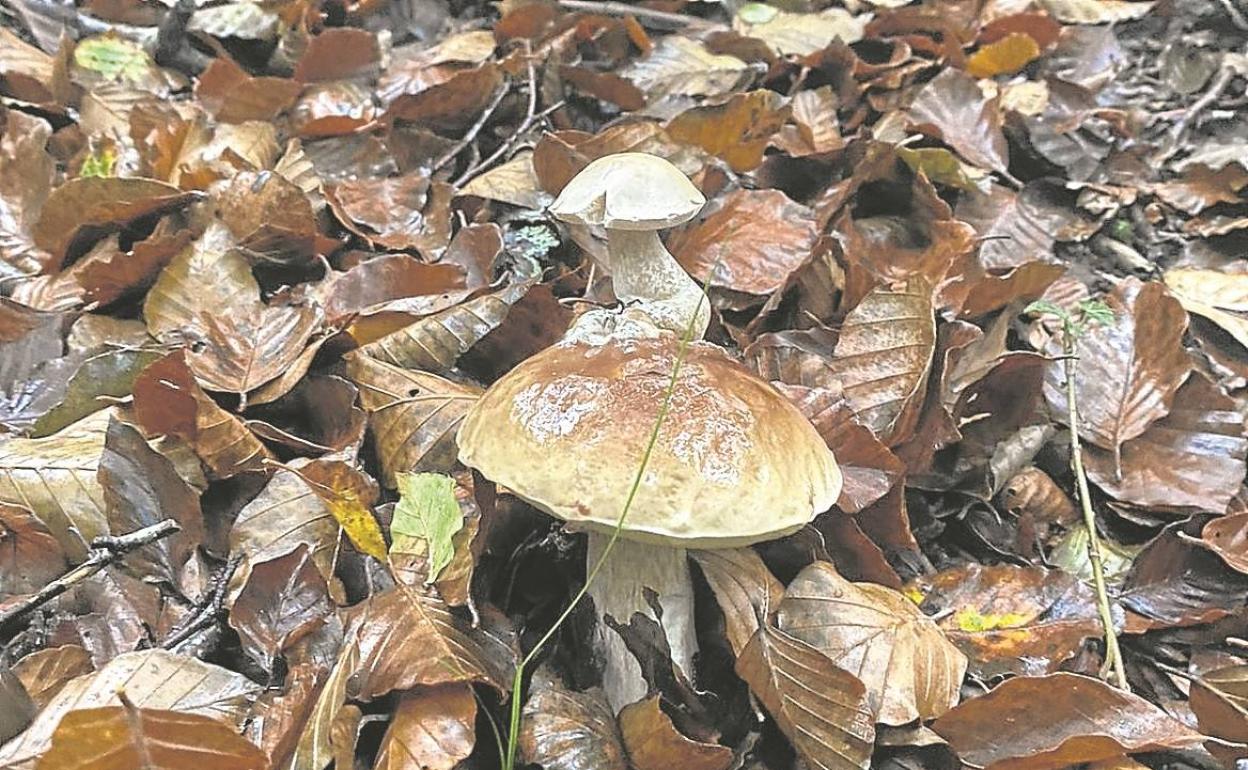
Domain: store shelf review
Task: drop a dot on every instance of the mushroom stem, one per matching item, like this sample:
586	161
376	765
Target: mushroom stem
619	591
644	271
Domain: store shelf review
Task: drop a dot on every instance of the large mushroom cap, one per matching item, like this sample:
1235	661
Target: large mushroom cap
629	191
735	463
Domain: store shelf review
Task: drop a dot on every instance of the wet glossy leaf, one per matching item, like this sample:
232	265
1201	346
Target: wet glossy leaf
737	130
654	743
282	600
565	730
952	108
433	728
1003	57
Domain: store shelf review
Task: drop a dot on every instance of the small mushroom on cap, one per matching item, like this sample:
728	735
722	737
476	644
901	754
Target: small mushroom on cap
632	196
734	463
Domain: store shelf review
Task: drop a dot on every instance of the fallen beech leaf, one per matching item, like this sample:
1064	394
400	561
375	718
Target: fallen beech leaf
654	743
451	105
1095	11
417	72
816	131
1049	722
561	155
1012	620
1016	228
427	512
513	182
46	671
1227	536
433	728
749	241
282	600
339	53
821	709
565	730
55	478
389	278
384	212
1221	297
30	555
314	748
910	670
798	33
1176	582
285	515
110	58
953	109
883	356
1191	458
1219	699
680	66
942	167
1129	369
437	341
232	96
153	679
1026	282
1201	187
606	86
413	415
349	493
148	739
744	588
87	204
26	174
114	273
1003	57
409	638
736	130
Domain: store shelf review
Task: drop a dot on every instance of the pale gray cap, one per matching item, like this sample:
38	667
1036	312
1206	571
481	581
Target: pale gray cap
629	191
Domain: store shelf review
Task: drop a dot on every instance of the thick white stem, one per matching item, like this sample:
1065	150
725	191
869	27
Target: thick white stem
645	272
619	591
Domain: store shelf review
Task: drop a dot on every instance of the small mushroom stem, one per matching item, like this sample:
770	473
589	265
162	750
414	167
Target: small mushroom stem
619	591
644	271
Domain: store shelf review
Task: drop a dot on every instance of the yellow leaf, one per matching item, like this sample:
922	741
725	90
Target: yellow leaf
349	495
1007	55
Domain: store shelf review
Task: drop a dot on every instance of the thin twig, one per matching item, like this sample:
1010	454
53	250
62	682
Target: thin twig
641	14
529	116
104	551
211	611
1113	654
471	134
1237	18
1179	132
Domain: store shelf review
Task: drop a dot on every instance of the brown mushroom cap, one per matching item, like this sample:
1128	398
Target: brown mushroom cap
735	463
629	191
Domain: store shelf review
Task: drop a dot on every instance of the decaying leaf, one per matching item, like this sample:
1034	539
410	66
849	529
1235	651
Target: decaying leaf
433	728
681	66
737	130
565	730
283	600
953	109
653	742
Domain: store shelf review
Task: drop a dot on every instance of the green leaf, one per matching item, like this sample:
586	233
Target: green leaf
113	57
428	513
102	162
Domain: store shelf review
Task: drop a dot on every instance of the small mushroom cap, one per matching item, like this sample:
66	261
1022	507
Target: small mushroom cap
629	191
735	462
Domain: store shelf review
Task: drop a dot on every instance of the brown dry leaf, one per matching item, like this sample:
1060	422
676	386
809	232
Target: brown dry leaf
393	278
1016	228
45	672
30	555
799	34
231	95
55	478
561	155
606	86
953	109
736	130
1227	536
436	342
147	739
990	293
1003	57
413	415
749	241
1221	297
26	175
451	105
283	600
339	53
1010	619
409	638
153	679
167	401
1193	458
911	671
816	130
1050	722
796	357
285	515
681	66
1129	370
109	274
883	356
88	204
565	730
654	743
1201	187
744	588
1219	699
1095	11
384	212
314	748
433	728
513	182
821	709
414	73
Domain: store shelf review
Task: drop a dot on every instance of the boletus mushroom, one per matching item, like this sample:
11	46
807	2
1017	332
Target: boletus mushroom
734	463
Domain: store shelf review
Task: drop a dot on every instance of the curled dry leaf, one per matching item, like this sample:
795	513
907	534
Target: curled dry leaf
148	739
30	555
433	728
1219	699
283	600
565	730
736	130
1129	369
408	638
681	66
745	589
749	242
413	415
799	33
153	679
1219	296
910	670
45	672
1049	722
1010	619
286	515
952	108
883	356
26	174
821	708
1016	228
654	743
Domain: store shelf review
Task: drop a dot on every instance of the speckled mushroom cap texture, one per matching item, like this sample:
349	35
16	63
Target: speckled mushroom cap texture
735	462
629	191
